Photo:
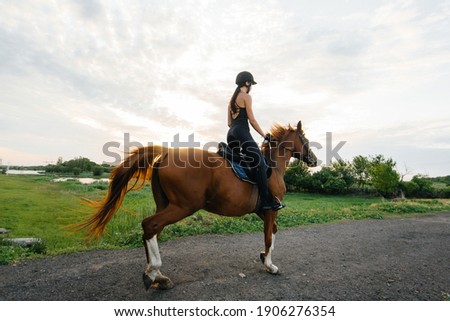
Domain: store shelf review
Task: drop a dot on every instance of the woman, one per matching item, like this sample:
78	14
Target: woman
240	113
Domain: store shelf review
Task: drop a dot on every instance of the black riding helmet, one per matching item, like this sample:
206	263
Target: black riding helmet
243	77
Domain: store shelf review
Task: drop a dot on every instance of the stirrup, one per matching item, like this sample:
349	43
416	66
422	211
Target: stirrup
266	206
273	206
278	206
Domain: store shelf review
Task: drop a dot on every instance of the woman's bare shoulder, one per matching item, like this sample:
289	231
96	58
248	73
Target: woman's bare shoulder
243	100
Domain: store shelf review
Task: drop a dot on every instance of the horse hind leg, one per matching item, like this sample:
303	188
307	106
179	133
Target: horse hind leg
152	226
152	276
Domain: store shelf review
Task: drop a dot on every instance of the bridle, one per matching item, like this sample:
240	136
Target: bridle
305	143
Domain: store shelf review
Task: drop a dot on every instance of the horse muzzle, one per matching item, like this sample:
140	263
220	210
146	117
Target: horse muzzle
310	160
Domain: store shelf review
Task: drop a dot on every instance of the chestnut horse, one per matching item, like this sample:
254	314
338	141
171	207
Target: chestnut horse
186	180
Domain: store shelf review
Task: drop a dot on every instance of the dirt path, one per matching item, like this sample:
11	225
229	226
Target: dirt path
396	259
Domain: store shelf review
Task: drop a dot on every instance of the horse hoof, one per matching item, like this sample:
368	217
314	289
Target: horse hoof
147	281
273	270
163	283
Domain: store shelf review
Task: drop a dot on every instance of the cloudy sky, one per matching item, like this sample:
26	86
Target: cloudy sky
76	75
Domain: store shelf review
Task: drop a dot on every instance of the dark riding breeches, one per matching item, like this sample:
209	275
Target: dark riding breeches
239	138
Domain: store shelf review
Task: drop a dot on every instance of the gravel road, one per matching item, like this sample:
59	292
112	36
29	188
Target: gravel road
393	259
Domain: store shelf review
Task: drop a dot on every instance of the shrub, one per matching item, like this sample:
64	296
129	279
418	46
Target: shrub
445	192
361	174
425	186
335	179
97	170
297	177
385	179
409	188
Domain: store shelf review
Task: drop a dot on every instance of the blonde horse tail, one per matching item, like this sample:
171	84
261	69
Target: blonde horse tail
137	166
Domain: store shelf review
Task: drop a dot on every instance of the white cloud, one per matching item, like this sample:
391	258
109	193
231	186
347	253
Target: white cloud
86	72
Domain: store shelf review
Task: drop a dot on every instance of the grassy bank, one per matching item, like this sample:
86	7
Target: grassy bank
34	206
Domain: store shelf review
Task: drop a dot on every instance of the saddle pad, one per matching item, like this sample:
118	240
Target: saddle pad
243	173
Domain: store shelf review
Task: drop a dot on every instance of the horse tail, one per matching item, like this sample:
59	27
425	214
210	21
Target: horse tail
138	165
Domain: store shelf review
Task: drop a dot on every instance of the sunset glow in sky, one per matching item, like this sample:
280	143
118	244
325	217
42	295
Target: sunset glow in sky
78	74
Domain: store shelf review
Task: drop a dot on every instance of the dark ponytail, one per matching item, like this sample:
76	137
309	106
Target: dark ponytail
233	100
236	93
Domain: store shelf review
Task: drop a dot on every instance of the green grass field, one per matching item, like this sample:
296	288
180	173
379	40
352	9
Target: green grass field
34	206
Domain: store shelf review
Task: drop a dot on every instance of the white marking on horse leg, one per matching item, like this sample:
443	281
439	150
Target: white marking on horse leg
268	261
155	262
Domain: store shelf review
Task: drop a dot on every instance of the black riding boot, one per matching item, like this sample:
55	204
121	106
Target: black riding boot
267	200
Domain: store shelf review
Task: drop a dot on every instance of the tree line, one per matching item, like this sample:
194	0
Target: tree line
364	175
77	166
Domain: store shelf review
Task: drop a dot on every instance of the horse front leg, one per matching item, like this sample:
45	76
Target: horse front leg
270	228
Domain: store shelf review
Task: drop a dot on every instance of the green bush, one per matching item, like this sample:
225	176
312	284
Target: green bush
297	177
336	179
97	170
426	189
385	179
422	187
445	192
360	165
410	189
10	252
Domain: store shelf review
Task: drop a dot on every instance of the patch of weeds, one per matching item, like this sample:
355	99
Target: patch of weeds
10	252
402	207
129	238
38	248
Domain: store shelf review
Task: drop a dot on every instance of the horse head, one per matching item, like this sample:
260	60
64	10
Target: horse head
292	140
302	149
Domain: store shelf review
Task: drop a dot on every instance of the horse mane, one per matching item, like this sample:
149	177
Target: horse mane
277	133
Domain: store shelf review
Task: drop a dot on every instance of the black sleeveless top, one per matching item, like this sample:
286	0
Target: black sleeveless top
241	119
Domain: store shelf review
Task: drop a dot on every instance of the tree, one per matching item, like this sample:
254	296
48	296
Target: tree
425	186
344	171
380	159
76	165
384	177
409	189
76	171
334	179
97	170
297	176
361	165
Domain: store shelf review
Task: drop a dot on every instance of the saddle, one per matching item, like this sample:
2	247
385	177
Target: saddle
241	163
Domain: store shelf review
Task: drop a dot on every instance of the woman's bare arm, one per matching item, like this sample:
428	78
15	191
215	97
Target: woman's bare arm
251	116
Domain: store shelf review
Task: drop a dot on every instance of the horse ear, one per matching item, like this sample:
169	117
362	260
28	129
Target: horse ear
299	126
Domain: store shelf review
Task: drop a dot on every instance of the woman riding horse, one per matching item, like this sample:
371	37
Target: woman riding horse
240	113
185	180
